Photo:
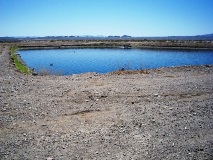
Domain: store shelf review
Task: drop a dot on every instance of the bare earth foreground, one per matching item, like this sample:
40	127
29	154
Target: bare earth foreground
164	114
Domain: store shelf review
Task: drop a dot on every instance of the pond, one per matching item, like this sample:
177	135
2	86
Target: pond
75	61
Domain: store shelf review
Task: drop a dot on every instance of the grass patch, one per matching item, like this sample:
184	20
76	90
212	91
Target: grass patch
17	62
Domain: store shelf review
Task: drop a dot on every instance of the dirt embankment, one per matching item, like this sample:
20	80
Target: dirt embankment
174	44
164	113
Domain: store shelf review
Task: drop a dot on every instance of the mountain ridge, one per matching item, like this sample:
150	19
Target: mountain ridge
205	37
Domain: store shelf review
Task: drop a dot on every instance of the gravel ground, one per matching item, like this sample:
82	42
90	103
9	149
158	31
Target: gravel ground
166	113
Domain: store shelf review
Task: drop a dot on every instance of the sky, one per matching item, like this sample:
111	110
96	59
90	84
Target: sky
106	17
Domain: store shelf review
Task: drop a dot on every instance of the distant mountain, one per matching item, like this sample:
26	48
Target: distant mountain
8	39
206	37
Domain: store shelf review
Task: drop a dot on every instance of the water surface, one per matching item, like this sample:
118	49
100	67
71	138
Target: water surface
75	61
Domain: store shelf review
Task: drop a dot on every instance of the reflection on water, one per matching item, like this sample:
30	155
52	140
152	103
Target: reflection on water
74	61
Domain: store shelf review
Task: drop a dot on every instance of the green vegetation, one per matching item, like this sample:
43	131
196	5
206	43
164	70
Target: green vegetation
17	62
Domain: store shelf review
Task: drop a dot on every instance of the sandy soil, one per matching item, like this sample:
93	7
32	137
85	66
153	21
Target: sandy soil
166	113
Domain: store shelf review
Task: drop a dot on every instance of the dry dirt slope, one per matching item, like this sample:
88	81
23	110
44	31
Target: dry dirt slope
166	114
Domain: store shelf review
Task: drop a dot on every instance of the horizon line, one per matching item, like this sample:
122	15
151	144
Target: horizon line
107	36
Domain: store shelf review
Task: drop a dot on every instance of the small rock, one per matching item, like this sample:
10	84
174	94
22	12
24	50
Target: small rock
34	73
4	109
156	95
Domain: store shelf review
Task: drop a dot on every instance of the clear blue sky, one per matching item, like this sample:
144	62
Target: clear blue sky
105	17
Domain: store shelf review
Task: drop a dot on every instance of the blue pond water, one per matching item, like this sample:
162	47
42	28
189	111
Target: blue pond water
75	61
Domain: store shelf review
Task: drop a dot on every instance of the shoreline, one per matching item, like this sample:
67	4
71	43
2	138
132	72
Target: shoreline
118	47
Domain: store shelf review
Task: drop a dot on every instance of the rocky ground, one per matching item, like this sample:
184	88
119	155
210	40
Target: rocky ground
164	113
